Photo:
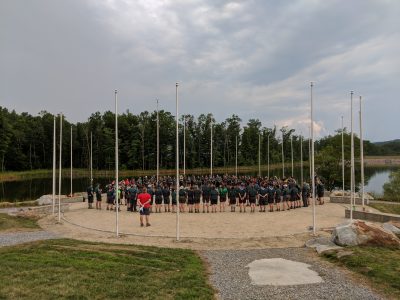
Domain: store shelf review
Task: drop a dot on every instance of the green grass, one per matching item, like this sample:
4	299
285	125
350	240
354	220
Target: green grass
387	208
10	222
381	266
18	204
71	269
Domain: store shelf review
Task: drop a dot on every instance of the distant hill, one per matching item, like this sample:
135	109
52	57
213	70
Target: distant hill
386	142
385	148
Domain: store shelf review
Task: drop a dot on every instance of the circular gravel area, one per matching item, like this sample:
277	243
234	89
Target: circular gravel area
9	239
229	275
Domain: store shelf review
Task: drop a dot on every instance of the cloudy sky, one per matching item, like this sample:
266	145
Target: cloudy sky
252	58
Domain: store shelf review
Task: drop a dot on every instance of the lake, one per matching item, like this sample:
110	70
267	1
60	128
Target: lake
32	189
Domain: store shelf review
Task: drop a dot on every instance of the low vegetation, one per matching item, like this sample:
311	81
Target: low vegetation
8	223
381	266
387	208
72	269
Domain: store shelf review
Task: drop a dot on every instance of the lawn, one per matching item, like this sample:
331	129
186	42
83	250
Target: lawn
387	208
73	269
8	222
380	265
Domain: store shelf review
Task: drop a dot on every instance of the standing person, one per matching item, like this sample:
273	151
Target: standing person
151	192
320	191
159	198
271	196
144	200
98	191
166	193
214	199
278	197
90	196
223	191
132	192
305	194
293	195
252	194
197	196
232	194
110	197
173	199
242	195
285	196
190	198
262	197
206	196
182	199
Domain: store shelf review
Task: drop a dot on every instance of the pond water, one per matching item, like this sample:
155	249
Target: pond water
32	189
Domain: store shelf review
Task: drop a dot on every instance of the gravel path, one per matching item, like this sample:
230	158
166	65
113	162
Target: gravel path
8	239
229	276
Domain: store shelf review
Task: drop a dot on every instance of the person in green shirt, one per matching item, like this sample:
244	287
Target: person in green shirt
223	192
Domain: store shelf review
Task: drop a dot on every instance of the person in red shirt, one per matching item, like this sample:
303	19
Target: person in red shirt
144	200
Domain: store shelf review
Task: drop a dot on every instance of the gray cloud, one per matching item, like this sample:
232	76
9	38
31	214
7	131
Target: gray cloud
252	58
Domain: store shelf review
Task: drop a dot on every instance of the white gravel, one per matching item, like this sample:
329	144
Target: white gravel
9	239
229	276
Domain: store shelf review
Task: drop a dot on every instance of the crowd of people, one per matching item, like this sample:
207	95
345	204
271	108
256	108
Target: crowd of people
206	194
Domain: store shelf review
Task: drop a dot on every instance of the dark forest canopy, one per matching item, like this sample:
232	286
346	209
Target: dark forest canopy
26	141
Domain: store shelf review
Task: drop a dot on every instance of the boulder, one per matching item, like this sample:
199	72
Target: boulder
363	233
391	227
45	200
322	244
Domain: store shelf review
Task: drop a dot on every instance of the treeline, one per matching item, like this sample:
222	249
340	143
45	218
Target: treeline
26	141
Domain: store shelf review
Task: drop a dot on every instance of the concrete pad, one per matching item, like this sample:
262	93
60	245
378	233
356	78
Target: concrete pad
281	272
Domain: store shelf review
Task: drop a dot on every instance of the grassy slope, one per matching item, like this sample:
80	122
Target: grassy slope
387	208
381	266
9	222
74	269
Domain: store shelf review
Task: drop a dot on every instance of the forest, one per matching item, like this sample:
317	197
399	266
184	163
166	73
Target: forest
26	142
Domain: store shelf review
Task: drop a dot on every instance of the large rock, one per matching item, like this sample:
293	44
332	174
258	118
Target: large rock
393	227
322	244
363	233
45	200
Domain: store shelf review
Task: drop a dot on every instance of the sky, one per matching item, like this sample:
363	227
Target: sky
252	58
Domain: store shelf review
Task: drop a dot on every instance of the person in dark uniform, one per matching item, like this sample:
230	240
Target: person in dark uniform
271	196
285	196
166	194
320	191
173	199
305	194
232	194
182	199
206	196
90	196
214	198
242	195
98	191
278	197
190	198
252	194
158	198
110	197
197	196
151	192
132	194
223	193
293	195
262	197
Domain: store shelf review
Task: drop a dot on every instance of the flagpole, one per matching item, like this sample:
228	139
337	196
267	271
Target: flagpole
268	155
301	160
116	165
312	159
184	146
59	174
362	157
283	159
259	155
352	160
211	157
158	143
291	151
91	158
342	161
236	158
54	163
177	163
71	161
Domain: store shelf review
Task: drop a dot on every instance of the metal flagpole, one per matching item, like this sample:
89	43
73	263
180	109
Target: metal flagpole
309	153
291	151
91	158
312	159
283	159
71	161
54	163
352	160
362	157
342	161
184	146
211	150
158	144
259	154
301	160
236	160
268	155
59	174
177	164
116	165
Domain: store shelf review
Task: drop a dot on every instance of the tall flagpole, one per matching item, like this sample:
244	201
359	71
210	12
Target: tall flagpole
312	159
309	153
283	158
301	160
116	165
91	158
259	154
362	157
291	151
54	163
158	143
236	158
59	174
342	161
177	163
268	154
211	150
71	161
352	160
184	146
